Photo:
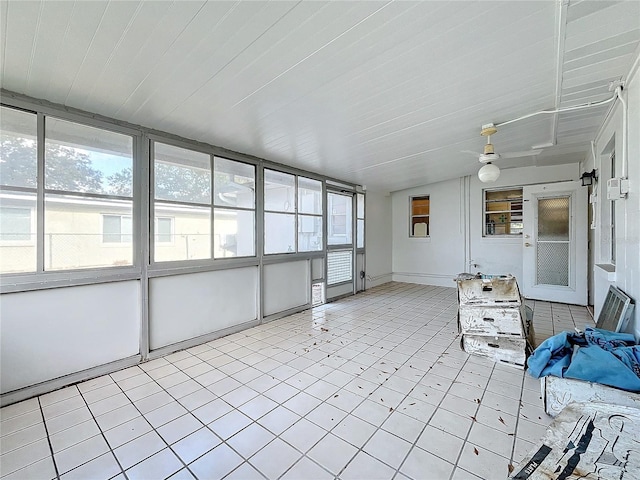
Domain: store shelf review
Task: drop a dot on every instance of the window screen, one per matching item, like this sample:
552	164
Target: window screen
234	189
309	215
182	190
18	172
339	267
360	221
88	171
280	212
340	219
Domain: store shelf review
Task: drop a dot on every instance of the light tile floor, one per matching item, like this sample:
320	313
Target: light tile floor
372	386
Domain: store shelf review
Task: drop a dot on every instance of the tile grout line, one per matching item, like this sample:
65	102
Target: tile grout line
155	430
466	438
378	428
245	460
103	436
426	423
515	431
46	431
389	319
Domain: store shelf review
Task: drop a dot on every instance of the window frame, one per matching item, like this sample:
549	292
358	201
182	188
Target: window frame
300	214
296	214
143	232
348	221
612	213
34	279
153	202
486	212
413	198
293	214
358	219
225	208
45	193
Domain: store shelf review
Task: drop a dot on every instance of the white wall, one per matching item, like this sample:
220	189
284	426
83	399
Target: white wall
188	306
454	243
50	333
286	286
627	241
504	255
437	259
378	238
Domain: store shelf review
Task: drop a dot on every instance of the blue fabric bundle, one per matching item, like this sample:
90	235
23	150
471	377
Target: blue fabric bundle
597	355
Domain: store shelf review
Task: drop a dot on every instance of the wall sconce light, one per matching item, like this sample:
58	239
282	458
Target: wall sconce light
588	178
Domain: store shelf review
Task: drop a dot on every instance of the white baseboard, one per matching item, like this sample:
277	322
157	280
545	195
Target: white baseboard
376	280
425	278
54	384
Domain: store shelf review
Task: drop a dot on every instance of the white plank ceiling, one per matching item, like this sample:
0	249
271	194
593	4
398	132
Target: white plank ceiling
385	94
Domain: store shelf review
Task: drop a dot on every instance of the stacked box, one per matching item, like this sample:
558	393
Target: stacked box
491	318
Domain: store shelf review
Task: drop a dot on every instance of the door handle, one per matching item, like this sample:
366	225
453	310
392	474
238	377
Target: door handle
527	244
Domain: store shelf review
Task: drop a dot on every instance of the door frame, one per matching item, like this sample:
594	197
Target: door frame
577	290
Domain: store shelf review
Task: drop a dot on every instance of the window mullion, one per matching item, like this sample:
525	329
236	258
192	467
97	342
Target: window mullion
152	203
40	142
295	211
212	181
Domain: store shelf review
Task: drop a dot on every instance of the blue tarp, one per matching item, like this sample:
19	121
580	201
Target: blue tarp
596	355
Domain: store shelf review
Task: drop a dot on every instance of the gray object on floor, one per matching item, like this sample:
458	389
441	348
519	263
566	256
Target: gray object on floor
616	310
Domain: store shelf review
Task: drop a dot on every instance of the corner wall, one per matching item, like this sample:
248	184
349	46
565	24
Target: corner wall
437	259
625	274
456	243
378	238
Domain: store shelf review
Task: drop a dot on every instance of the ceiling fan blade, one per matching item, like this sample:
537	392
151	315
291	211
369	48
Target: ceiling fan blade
469	152
526	153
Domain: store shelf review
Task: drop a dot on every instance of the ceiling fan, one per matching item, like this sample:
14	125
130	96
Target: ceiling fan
490	172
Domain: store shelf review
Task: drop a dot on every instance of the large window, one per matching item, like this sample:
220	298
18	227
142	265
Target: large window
292	204
88	171
18	174
182	191
503	212
612	214
67	202
309	215
339	210
88	185
234	189
279	212
419	216
360	220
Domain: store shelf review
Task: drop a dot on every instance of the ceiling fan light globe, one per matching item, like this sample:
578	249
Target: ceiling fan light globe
488	173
